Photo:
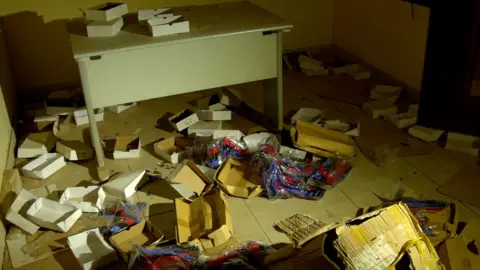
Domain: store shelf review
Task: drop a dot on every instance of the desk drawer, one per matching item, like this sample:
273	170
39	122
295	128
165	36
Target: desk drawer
182	67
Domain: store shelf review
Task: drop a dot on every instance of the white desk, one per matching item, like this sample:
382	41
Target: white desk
228	44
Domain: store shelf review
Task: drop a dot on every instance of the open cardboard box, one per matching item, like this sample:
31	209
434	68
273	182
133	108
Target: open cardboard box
36	144
44	166
17	212
53	215
141	234
91	250
88	199
203	218
74	150
174	149
124	185
183	120
127	147
106	12
321	141
189	181
237	180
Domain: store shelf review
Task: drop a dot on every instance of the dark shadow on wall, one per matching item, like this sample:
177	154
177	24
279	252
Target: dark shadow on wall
6	78
40	52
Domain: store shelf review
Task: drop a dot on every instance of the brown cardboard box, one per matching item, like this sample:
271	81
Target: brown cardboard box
183	120
203	218
461	252
173	149
189	181
321	141
237	180
142	234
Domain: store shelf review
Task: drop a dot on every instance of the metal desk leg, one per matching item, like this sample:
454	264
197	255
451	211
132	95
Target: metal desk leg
101	169
273	93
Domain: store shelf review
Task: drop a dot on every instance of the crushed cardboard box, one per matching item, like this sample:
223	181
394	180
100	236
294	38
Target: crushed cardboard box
425	134
211	115
36	144
308	115
122	107
74	150
88	199
53	215
127	147
236	179
386	93
106	12
91	250
189	181
44	166
124	185
301	228
203	218
17	212
81	116
321	141
142	234
183	120
174	149
376	109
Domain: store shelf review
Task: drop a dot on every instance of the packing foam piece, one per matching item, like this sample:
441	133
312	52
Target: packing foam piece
88	199
91	250
44	166
14	215
124	184
53	215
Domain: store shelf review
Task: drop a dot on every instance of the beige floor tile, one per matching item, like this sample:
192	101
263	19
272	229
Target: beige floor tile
245	226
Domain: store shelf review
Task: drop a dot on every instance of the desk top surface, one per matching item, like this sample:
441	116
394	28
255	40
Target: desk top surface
205	22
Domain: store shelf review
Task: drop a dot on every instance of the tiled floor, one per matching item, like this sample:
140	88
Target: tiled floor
253	219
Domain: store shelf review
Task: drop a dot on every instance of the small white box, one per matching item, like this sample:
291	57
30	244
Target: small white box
127	147
148	14
217	107
402	120
36	144
53	215
124	184
234	134
44	166
183	120
106	12
375	109
81	116
74	150
104	29
88	199
211	115
122	107
386	93
91	250
24	198
166	25
204	129
173	149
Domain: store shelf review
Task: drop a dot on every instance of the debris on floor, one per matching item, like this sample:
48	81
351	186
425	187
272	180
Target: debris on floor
386	93
311	66
463	143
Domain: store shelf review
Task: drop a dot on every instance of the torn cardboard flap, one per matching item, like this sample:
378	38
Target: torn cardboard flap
321	141
36	144
53	215
189	181
124	185
236	179
127	147
202	216
183	120
174	149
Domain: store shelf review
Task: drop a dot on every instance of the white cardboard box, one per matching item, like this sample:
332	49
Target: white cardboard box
376	109
81	116
402	120
122	107
127	147
163	19
163	26
53	215
211	115
386	93
183	120
106	12
124	184
234	134
148	14
425	134
204	128
173	149
44	166
88	199
217	107
74	150
104	28
36	144
307	114
91	250
15	216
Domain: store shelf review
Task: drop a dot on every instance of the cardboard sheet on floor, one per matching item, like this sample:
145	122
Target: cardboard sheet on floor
91	250
202	216
321	141
237	180
464	185
53	215
124	185
189	181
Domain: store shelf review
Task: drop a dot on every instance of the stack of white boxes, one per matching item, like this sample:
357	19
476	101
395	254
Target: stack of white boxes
105	20
161	23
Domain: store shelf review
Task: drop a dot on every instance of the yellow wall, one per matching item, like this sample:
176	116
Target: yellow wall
38	39
383	33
